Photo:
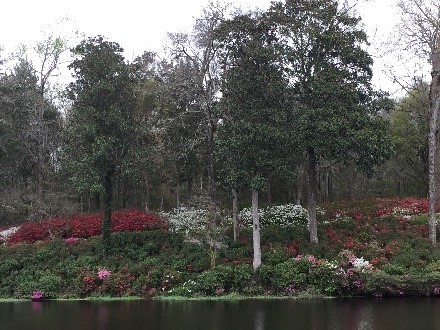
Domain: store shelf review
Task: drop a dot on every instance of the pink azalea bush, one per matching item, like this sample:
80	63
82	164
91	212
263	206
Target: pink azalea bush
37	295
103	273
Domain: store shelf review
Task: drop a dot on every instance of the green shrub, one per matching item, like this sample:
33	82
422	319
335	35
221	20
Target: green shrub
50	284
393	269
242	275
322	277
216	281
291	272
433	266
282	234
274	255
196	257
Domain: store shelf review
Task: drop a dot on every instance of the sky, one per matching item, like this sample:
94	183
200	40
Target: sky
143	25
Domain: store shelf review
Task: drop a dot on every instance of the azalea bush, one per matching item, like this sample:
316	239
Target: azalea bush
282	215
377	207
186	219
84	226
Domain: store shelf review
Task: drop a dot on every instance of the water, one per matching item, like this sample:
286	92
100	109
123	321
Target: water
350	314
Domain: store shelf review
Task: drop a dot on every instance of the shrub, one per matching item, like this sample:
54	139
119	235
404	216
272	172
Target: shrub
85	225
322	277
242	275
282	215
291	272
187	219
215	281
393	269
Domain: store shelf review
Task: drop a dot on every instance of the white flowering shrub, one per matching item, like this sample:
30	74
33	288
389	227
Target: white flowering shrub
5	234
186	219
361	264
283	215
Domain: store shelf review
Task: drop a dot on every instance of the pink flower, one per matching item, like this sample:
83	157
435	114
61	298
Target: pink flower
37	295
103	273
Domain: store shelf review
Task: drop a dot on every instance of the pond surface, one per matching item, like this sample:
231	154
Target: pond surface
350	314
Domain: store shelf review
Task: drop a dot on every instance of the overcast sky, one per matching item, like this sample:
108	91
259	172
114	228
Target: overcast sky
143	25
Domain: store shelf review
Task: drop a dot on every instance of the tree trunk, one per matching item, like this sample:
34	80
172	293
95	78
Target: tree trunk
256	232
106	220
313	195
434	99
235	219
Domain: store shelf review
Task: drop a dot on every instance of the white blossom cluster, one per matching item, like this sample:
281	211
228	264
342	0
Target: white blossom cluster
361	264
283	215
4	235
186	219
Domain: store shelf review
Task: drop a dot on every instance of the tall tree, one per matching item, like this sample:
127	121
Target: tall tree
100	124
49	52
420	32
326	61
30	128
409	134
198	51
253	141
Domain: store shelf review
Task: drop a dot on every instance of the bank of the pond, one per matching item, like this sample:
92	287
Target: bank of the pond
374	248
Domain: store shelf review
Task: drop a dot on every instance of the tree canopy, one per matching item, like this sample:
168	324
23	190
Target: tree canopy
100	125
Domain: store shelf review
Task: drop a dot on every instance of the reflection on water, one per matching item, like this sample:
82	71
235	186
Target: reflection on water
259	319
334	314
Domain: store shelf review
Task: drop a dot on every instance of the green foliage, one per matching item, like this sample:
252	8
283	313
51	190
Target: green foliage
254	140
208	282
290	272
409	134
222	279
322	278
393	269
274	254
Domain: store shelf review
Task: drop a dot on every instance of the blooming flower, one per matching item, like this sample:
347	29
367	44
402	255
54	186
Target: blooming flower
37	295
103	273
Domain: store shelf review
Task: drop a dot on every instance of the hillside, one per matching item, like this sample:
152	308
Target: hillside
376	247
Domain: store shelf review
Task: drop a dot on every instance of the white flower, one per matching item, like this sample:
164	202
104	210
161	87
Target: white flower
361	264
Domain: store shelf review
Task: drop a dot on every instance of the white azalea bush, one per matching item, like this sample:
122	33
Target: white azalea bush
283	215
186	219
5	234
193	223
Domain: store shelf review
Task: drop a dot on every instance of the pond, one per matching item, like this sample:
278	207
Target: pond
408	313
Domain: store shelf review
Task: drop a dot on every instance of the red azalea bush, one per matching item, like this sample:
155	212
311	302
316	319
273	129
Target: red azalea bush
377	207
85	225
136	220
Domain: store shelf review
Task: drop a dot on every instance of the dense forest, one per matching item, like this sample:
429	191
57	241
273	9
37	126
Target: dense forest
265	107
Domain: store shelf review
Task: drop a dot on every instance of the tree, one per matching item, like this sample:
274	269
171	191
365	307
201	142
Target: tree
30	125
197	52
49	52
420	32
325	59
253	141
409	134
100	125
